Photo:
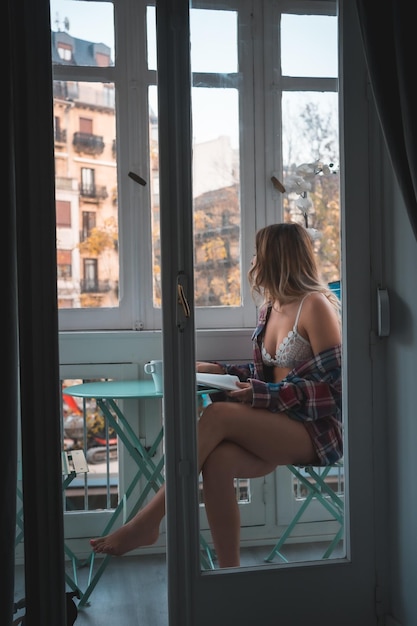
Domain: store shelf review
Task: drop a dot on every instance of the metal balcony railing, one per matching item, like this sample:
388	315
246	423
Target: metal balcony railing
87	143
99	192
60	135
94	286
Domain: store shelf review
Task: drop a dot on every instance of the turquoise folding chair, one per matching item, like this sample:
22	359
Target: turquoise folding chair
336	287
315	481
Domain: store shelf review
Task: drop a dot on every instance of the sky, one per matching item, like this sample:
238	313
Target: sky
92	21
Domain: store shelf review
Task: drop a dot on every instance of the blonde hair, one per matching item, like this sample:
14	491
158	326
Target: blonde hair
285	267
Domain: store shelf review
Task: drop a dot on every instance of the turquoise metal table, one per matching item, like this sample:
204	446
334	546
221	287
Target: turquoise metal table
107	394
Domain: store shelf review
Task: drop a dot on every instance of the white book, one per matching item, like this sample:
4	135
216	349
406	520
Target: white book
217	381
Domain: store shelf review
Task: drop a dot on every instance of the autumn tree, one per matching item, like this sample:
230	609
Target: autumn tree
316	129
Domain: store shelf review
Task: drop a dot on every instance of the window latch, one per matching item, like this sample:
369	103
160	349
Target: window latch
137	178
183	308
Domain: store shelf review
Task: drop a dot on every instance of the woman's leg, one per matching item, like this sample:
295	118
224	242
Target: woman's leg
142	530
237	441
273	437
227	462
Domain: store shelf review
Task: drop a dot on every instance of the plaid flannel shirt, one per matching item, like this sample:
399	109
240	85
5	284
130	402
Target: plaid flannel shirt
311	392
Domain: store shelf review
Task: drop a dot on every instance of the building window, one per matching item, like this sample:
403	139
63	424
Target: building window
88	186
89	222
90	275
65	51
63	213
86	126
64	263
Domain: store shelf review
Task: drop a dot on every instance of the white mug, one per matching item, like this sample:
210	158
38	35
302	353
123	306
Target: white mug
156	368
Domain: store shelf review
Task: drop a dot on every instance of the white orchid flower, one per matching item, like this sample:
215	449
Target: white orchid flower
301	182
304	204
305	169
314	233
297	184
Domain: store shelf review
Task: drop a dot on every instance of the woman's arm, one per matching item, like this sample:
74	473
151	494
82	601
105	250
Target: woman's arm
319	322
210	367
242	371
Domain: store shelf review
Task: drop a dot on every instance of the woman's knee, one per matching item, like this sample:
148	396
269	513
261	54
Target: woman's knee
212	416
218	412
220	461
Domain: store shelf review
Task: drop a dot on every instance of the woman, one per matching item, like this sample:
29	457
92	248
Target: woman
287	409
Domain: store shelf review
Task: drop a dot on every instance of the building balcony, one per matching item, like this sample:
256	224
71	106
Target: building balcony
60	135
94	286
95	192
88	144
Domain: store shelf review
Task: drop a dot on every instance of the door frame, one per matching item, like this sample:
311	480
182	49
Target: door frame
198	598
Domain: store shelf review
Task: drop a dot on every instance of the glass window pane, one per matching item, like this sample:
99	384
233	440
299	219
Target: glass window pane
215	113
154	191
309	45
216	161
310	136
213	41
216	193
75	26
151	37
86	183
309	126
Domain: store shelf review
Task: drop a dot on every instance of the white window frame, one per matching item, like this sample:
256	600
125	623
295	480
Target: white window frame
260	151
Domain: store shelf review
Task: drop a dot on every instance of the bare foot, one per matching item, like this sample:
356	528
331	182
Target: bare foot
135	534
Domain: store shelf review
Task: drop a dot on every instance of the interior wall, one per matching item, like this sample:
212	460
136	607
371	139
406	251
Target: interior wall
400	249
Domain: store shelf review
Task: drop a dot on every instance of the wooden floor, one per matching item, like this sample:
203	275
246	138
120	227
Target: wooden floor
132	590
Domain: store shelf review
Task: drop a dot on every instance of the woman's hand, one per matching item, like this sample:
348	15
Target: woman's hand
209	368
244	394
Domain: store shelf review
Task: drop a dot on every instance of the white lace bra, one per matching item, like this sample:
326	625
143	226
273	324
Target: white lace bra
292	350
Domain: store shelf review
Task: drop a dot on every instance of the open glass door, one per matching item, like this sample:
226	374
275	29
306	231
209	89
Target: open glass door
233	154
263	594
